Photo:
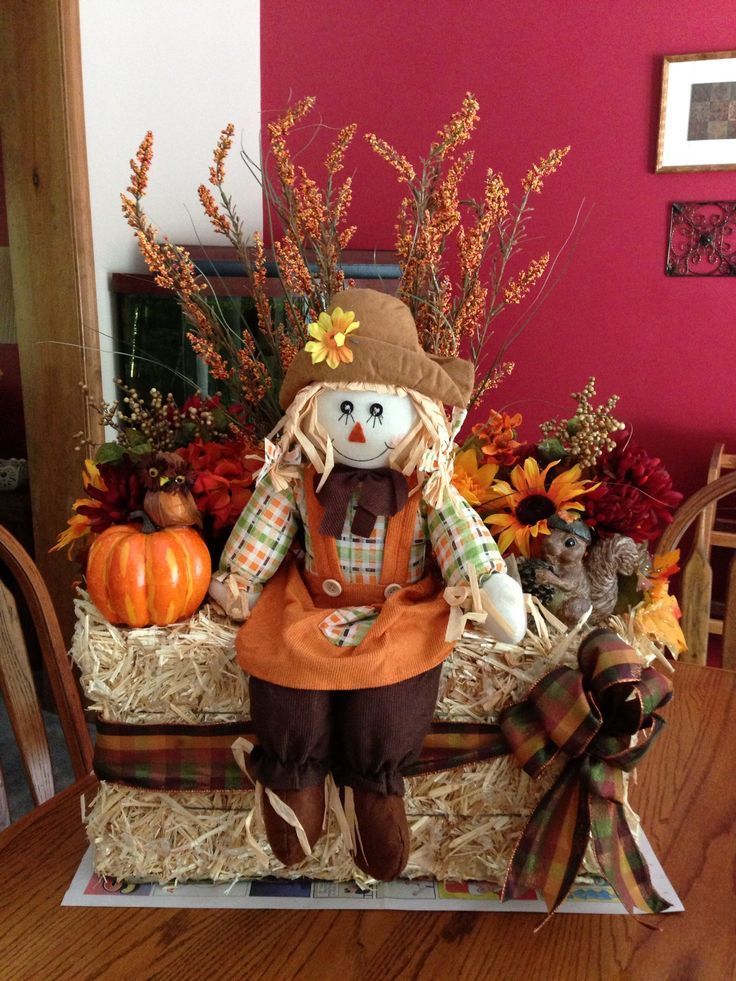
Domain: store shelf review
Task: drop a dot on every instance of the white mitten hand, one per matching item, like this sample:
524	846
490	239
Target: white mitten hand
237	603
506	620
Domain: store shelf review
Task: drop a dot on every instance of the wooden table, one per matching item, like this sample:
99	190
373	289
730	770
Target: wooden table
688	807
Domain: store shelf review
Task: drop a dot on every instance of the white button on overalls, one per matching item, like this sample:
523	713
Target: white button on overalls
390	590
332	587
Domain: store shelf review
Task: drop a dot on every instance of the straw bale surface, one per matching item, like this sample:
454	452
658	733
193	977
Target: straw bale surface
152	836
463	822
187	672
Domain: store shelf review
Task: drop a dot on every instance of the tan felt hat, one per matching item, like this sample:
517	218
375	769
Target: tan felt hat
386	351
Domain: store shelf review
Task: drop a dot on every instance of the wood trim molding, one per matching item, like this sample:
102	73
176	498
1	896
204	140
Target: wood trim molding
50	232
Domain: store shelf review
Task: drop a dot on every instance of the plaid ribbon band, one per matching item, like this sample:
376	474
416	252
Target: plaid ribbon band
170	757
590	715
185	757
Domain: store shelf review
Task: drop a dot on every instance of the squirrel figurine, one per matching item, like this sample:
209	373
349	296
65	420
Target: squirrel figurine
574	573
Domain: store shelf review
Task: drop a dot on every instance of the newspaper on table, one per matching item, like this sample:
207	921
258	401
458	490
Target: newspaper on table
88	889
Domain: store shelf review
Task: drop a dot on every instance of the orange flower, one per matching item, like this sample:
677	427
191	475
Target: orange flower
473	482
330	333
658	615
80	525
527	503
497	437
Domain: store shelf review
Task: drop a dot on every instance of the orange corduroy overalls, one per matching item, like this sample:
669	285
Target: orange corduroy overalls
361	711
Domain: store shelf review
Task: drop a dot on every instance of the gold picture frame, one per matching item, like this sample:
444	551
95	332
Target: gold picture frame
697	120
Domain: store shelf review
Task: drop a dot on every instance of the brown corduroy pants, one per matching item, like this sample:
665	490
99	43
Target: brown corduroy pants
365	737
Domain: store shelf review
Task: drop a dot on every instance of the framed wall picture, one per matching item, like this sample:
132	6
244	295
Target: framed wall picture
702	239
697	122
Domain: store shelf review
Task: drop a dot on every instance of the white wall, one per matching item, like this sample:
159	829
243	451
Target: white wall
184	69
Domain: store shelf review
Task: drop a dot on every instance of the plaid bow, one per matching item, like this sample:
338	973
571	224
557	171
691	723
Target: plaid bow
602	717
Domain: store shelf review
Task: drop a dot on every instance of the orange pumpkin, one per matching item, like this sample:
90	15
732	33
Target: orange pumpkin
141	578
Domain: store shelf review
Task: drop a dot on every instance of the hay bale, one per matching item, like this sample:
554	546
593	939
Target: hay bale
184	673
188	673
463	822
152	836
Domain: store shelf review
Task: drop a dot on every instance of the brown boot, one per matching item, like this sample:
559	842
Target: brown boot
382	839
308	805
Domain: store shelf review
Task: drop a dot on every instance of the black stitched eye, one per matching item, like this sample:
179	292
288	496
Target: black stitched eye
375	412
570	543
346	411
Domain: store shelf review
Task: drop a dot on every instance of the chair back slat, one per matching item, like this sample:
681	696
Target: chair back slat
56	662
21	702
697	586
707	517
729	618
697	573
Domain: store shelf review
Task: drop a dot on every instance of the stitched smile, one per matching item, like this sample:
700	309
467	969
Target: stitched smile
366	459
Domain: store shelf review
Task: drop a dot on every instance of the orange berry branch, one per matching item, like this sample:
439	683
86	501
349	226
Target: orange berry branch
455	303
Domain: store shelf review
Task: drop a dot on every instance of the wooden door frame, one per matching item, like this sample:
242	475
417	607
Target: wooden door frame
50	232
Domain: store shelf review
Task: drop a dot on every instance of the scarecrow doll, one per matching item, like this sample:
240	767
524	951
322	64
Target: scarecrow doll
344	637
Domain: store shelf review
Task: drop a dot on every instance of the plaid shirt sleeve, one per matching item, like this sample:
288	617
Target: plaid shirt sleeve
262	535
460	539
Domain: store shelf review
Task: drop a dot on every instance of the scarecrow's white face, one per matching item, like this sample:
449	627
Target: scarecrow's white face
365	426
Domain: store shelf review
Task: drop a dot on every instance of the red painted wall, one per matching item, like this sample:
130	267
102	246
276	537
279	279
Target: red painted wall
546	74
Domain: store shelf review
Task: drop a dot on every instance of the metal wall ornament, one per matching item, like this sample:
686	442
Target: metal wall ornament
697	123
702	239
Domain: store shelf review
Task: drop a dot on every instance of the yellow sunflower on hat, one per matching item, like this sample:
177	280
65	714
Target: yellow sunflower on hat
524	506
329	336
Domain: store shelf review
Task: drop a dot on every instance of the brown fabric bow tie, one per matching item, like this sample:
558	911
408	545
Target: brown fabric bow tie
382	491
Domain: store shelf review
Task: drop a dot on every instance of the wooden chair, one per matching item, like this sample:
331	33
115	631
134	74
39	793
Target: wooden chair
16	680
697	575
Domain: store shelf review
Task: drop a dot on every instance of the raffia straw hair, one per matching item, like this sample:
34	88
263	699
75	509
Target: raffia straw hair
426	449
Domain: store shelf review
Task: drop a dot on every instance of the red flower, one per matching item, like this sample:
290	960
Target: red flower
636	497
121	494
200	402
224	479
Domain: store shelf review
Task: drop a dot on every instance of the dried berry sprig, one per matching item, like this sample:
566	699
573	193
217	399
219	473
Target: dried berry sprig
157	423
588	433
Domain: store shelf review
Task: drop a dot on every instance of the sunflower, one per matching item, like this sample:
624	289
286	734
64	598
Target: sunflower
329	334
473	482
525	504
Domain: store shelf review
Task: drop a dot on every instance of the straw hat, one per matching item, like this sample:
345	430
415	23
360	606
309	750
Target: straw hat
386	351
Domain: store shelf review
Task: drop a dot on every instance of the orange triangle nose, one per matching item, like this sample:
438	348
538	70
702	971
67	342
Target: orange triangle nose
356	434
